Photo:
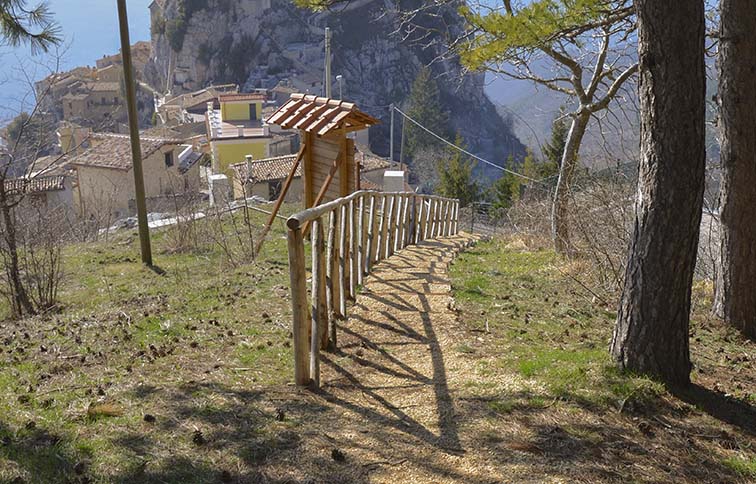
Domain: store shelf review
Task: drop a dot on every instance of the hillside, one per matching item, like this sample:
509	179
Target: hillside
184	377
258	43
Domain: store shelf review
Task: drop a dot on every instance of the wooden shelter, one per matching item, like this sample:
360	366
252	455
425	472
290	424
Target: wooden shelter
328	155
330	171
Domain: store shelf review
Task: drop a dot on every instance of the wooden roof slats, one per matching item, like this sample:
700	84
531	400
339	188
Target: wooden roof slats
326	117
316	113
320	115
333	123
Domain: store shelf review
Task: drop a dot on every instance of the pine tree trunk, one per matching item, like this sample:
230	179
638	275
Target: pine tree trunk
736	298
560	231
651	335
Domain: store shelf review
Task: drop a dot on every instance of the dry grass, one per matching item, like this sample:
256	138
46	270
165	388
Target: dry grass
183	378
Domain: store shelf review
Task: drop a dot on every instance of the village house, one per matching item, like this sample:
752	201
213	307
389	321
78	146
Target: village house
191	107
237	129
106	179
264	178
90	96
45	192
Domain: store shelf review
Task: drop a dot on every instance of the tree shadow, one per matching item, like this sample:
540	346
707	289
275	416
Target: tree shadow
724	408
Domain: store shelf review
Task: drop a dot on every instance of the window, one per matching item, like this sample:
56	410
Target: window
274	189
169	159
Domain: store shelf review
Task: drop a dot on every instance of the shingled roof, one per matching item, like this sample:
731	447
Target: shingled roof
278	167
37	184
320	115
114	150
268	169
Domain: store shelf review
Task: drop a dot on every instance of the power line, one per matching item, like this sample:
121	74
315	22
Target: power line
467	152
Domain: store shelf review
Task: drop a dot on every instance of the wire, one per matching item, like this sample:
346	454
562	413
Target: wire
467	152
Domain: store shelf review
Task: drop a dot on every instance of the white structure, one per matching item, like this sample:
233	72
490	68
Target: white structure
393	181
220	190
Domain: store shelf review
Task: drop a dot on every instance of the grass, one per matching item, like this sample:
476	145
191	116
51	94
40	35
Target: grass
540	342
184	377
184	347
746	467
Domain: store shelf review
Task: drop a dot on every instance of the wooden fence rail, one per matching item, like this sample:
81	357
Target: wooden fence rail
349	236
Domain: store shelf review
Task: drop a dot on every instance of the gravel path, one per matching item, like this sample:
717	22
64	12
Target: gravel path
394	380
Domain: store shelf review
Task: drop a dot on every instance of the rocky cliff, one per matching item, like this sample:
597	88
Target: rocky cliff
256	43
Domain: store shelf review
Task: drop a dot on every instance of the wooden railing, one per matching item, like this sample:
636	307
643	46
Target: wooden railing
349	236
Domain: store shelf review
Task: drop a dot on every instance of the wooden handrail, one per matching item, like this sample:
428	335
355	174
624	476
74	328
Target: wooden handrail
298	219
349	236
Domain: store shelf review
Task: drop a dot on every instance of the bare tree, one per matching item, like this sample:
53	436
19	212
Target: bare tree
582	51
651	334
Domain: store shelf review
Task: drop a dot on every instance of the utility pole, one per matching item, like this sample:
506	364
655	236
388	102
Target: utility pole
136	150
328	62
391	134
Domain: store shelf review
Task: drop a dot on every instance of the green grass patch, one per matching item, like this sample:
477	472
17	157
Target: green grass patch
744	466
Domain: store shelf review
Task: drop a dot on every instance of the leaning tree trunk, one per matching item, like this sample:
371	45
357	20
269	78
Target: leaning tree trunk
736	298
560	231
651	335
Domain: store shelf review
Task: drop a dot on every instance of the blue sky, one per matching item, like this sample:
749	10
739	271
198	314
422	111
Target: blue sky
90	30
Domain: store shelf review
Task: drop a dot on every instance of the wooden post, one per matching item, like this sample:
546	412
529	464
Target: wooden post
449	218
370	245
447	212
389	225
413	221
298	281
331	268
408	221
426	211
419	220
318	305
455	224
353	238
397	223
402	230
360	244
342	261
381	239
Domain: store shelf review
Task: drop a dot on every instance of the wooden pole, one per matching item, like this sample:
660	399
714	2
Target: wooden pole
419	223
389	225
352	251
360	256
136	149
342	280
279	201
370	244
298	281
381	238
331	267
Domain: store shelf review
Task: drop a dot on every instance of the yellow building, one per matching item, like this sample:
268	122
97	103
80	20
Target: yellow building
237	130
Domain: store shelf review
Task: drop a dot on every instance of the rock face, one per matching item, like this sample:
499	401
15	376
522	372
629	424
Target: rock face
257	43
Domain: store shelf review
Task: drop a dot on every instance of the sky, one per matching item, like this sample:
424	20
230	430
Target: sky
90	30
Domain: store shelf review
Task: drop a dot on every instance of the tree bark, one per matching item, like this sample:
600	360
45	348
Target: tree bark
651	334
735	299
560	231
20	303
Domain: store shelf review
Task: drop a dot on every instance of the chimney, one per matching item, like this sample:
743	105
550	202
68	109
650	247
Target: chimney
249	166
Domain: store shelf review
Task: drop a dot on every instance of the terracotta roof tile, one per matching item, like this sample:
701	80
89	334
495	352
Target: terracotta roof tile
268	169
37	184
114	150
248	96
